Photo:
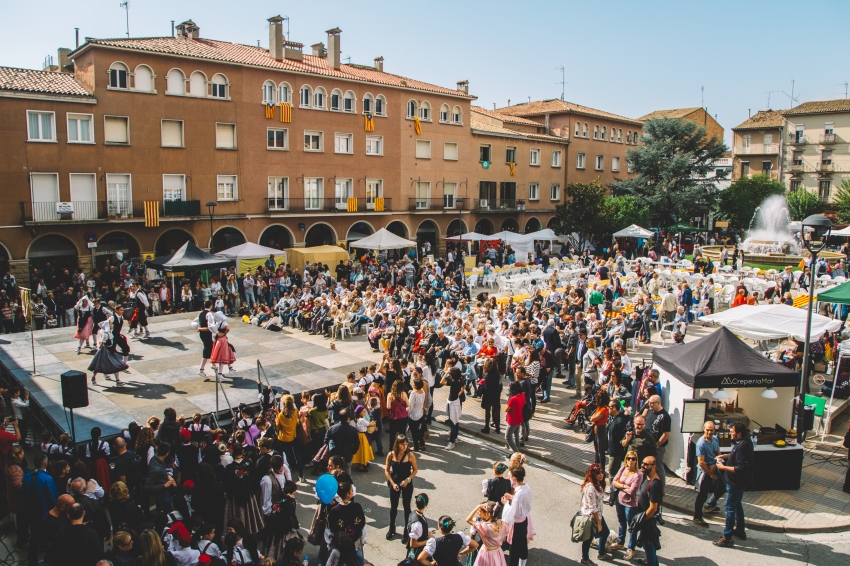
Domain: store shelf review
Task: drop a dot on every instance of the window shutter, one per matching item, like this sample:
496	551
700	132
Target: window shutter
225	135
172	133
115	130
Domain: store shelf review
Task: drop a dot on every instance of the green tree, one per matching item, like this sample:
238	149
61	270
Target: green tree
802	203
842	201
583	213
738	203
623	211
674	173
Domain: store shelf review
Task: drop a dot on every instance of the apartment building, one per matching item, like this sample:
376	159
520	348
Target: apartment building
816	153
757	145
237	143
598	139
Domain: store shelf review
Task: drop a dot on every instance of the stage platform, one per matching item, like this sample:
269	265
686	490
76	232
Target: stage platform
164	370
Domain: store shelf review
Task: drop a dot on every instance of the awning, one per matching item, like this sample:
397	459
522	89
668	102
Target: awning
839	294
383	239
773	322
634	231
249	251
471	237
189	256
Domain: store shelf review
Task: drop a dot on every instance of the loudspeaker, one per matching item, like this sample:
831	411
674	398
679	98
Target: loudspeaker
75	392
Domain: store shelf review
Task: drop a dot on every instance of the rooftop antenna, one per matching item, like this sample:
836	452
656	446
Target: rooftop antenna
529	101
258	43
77	37
845	85
126	5
768	93
287	27
494	107
791	96
348	60
702	96
563	82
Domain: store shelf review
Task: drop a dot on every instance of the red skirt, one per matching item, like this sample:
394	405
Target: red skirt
221	353
99	470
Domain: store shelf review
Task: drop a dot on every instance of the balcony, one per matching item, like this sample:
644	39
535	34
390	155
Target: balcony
826	167
181	208
331	204
827	139
496	205
758	149
420	204
798	141
797	167
53	211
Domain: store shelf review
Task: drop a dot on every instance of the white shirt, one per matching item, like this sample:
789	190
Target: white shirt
17	403
102	445
517	509
591	500
142	298
209	548
266	488
431	545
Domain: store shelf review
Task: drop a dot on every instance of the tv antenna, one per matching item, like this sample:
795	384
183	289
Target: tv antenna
791	96
702	97
563	82
126	5
845	85
768	93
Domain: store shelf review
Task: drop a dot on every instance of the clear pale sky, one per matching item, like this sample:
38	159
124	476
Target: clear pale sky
626	56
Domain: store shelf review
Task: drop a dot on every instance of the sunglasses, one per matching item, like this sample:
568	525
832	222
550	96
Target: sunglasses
645	465
632	459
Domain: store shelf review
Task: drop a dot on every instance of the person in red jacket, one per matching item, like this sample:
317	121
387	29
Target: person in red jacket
513	415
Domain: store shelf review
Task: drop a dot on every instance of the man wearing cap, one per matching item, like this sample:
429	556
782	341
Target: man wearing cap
189	456
181	545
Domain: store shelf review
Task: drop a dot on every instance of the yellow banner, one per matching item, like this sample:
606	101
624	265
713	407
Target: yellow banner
285	112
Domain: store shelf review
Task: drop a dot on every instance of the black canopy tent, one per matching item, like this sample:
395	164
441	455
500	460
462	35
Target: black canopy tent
189	256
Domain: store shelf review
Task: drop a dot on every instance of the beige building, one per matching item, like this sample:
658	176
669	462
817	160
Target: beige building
757	146
695	114
817	146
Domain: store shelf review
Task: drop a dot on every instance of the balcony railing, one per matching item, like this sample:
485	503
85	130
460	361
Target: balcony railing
827	138
758	149
798	141
329	204
181	208
826	167
51	211
445	203
496	205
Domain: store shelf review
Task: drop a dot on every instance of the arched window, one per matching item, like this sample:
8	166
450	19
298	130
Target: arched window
620	135
584	130
578	129
368	101
457	115
604	131
349	102
336	99
143	79
306	96
380	105
629	136
269	92
412	109
118	75
175	82
445	114
596	132
319	98
284	93
425	111
197	84
218	86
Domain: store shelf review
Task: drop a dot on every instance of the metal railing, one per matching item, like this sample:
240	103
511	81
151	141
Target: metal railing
181	208
496	205
798	141
329	204
49	211
825	167
757	149
431	203
827	138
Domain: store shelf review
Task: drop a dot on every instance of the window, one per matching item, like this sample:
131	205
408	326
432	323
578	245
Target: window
277	138
423	149
766	167
826	157
119	200
198	84
425	111
423	189
313	141
457	115
584	130
374	145
600	162
450	151
824	188
118	76
348	103
745	168
172	133
173	187
306	96
800	134
828	128
41	126
175	82
484	153
343	190
596	132
449	195
556	158
534	158
615	164
629	136
555	191
534	191
227	189
510	155
374	189
45	193
768	140
445	114
79	128
580	161
268	92
367	104
225	136
620	135
313	193
284	93
745	140
604	130
412	109
116	129
319	98
578	129
796	186
143	79
380	106
343	143
278	193
797	158
336	100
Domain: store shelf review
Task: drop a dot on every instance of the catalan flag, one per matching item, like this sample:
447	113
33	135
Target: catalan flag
513	168
352	204
285	112
151	214
379	204
368	122
417	125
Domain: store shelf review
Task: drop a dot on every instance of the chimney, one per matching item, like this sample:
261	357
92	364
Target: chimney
463	86
334	52
189	30
749	112
292	50
379	64
319	50
276	38
63	61
77	36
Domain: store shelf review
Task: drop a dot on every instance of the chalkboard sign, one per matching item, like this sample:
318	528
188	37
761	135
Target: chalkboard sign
693	415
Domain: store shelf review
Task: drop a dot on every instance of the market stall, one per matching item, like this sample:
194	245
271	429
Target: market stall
188	257
329	255
773	322
252	256
722	379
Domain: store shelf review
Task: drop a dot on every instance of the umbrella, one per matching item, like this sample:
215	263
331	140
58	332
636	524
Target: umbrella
383	239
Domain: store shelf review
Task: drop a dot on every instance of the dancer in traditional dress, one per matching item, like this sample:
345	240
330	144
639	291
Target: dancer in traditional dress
84	321
139	319
99	314
106	360
222	353
119	341
206	324
278	502
493	532
97	453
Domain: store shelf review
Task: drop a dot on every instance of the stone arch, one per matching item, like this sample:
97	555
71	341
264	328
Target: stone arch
532	225
456	227
510	225
227	237
484	226
428	230
277	236
172	240
552	222
399	228
320	234
358	230
56	249
116	241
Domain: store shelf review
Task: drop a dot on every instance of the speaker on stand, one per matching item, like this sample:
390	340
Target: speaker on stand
75	394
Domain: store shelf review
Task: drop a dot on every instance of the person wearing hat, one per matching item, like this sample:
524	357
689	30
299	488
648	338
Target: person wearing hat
183	501
181	545
364	454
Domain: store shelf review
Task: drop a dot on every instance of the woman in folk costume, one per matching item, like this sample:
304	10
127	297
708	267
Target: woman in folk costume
84	322
106	360
119	341
97	451
240	486
222	353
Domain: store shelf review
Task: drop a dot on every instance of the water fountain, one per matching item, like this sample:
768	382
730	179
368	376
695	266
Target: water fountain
769	233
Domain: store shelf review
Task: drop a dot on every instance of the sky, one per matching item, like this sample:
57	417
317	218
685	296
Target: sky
628	57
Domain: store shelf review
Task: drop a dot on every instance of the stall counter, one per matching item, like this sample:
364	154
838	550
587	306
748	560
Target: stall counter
774	467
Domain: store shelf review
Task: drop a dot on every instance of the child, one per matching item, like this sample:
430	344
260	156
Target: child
51	321
219	304
364	455
494	488
375	417
206	534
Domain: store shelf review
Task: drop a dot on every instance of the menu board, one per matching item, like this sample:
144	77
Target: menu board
693	415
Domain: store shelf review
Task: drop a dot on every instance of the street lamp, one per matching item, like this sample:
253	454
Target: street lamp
211	207
459	205
820	227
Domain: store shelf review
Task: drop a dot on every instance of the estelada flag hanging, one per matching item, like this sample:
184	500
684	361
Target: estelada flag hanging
285	112
417	125
368	122
269	110
151	214
513	168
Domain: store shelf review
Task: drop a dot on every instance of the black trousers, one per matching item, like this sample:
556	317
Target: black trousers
417	431
492	412
519	546
706	486
406	495
207	341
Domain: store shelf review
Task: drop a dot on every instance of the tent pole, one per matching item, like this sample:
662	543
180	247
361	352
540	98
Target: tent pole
173	290
831	394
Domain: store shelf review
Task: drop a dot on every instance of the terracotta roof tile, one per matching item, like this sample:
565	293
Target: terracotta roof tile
251	55
41	82
478	126
506	117
819	107
672	113
761	120
555	106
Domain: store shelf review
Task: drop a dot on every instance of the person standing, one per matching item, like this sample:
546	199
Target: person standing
454	405
491	396
206	322
222	353
517	507
650	498
737	468
248	283
514	415
76	544
708	479
627	482
39	494
84	322
592	495
400	469
658	423
641	440
119	341
618	422
139	320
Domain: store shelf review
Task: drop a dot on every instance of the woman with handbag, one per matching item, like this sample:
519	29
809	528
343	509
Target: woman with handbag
398	404
626	483
592	494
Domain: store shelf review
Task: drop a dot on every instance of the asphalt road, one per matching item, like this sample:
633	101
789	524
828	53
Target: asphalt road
452	480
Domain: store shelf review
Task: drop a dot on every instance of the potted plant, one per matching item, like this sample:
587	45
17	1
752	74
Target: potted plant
520	205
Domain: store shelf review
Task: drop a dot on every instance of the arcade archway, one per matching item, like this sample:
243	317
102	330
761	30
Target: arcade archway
320	234
510	225
112	243
277	236
484	226
532	225
227	237
172	240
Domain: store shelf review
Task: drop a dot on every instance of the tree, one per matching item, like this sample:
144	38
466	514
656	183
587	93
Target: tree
802	203
842	202
623	211
583	213
672	167
738	203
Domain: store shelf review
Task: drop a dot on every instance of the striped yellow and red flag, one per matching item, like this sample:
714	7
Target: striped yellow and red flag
417	125
352	204
369	122
269	110
285	112
151	213
513	168
379	204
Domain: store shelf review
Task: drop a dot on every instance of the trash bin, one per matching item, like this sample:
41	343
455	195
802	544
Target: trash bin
809	417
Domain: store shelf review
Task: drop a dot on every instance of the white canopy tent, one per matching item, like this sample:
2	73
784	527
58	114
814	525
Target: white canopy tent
772	322
634	231
383	239
843	232
249	250
545	234
470	237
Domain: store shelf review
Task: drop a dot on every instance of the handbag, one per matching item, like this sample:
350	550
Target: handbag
316	535
588	436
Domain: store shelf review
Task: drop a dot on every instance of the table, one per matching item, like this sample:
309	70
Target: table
775	468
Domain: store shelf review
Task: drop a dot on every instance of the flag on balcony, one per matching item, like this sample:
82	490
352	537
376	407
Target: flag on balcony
269	110
513	168
285	112
417	125
151	213
352	204
379	204
369	123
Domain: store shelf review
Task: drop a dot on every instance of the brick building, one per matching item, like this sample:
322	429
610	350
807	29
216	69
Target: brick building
757	145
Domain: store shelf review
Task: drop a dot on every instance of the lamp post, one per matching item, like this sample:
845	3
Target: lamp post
211	207
459	203
821	227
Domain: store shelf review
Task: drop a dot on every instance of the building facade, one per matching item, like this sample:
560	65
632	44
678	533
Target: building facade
757	146
696	114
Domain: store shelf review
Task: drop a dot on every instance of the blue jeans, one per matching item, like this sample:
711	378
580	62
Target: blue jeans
651	554
624	517
734	511
361	320
454	430
274	296
249	298
547	384
603	538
